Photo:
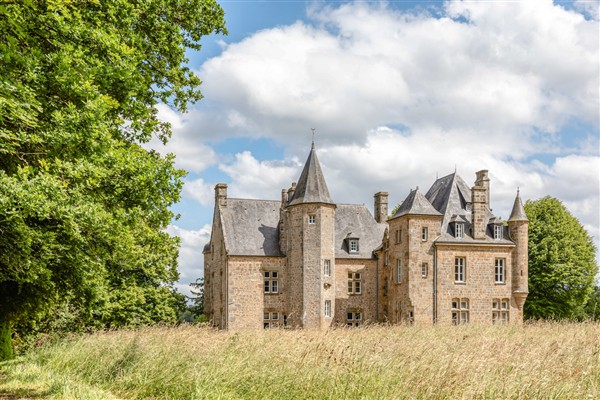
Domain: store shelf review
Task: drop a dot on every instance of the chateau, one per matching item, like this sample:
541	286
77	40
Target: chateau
305	261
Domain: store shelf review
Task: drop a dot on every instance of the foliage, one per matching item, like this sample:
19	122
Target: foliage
194	312
548	360
562	263
592	307
83	205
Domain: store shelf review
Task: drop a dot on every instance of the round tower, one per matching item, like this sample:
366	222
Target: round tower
518	228
310	223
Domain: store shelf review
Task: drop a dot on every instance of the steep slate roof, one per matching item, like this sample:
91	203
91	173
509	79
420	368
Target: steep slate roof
518	212
311	186
415	204
450	195
355	220
251	227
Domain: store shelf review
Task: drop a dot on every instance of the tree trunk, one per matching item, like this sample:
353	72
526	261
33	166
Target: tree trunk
6	352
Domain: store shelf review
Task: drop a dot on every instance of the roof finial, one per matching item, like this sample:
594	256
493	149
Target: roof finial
313	137
517	190
455	168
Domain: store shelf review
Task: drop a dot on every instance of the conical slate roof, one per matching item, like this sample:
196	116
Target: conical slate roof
518	212
311	186
416	204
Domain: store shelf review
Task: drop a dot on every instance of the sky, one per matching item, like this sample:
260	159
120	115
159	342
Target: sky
398	92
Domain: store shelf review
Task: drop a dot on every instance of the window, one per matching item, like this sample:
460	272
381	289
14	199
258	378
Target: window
498	232
460	311
353	245
385	286
328	308
386	258
459	231
500	311
354	282
398	235
327	267
459	269
424	268
354	318
398	271
424	234
271	282
312	219
270	319
499	270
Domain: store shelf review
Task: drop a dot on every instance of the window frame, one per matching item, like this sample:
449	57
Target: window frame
500	271
424	234
354	317
312	219
271	319
500	311
327	267
353	246
354	282
460	270
271	282
459	230
424	269
398	270
327	310
460	309
398	236
498	232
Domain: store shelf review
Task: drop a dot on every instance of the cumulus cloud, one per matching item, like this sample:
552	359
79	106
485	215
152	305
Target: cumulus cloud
200	191
191	261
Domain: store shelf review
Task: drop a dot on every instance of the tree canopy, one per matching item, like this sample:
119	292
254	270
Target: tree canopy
562	263
83	205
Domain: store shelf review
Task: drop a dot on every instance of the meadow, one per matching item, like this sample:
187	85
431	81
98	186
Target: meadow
532	361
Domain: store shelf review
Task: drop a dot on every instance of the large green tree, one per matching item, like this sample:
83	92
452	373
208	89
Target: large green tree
562	263
83	206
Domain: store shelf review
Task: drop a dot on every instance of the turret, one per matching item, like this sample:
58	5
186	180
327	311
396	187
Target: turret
310	232
518	228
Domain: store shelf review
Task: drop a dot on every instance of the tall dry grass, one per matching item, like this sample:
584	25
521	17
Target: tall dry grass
549	360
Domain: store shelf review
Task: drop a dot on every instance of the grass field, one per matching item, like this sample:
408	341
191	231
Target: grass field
549	361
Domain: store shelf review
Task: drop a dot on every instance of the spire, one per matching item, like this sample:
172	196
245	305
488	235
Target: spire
311	185
518	212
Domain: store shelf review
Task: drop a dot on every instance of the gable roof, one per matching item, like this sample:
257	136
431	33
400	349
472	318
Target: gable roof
415	204
251	227
356	221
311	186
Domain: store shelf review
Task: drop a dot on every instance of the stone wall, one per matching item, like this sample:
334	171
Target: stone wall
365	302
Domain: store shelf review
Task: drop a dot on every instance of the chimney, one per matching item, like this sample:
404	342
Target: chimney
221	194
381	206
291	190
284	198
480	198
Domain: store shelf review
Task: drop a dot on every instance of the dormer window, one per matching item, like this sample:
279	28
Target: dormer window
353	245
498	232
459	230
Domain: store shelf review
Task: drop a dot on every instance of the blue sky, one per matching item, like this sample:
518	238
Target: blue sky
398	92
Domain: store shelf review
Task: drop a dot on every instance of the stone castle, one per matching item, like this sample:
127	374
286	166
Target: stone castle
305	261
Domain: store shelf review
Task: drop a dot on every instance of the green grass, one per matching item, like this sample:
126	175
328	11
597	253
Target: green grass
550	360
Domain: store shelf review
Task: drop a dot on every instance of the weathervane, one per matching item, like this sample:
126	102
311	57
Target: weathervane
313	136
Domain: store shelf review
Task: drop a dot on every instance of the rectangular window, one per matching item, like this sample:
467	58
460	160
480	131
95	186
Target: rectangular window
312	219
398	235
460	311
270	319
271	282
459	270
354	281
354	318
328	308
499	271
424	234
398	271
353	245
327	267
460	231
424	268
498	232
385	258
500	311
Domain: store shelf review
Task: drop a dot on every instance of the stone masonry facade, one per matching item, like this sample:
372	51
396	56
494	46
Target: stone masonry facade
307	262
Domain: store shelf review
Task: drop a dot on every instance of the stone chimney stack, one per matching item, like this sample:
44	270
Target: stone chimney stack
381	206
480	204
221	194
291	190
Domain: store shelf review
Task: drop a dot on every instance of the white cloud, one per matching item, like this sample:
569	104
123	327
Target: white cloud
191	261
265	179
199	190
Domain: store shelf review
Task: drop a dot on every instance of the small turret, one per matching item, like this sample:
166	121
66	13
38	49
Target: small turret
518	227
